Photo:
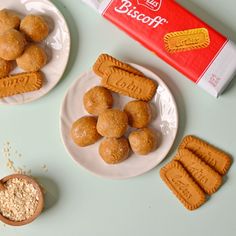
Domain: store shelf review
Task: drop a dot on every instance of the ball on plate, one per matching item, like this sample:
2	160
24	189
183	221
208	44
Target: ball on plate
114	150
35	28
12	44
139	113
8	20
5	67
97	99
143	141
84	132
33	59
112	123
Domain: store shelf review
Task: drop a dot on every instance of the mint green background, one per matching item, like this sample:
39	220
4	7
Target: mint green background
79	203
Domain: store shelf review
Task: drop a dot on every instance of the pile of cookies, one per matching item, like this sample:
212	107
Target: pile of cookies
197	170
112	123
19	43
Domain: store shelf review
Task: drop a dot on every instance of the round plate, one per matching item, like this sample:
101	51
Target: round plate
57	45
165	122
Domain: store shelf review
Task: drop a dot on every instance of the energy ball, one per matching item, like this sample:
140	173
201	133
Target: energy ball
113	150
139	113
33	58
12	44
84	132
143	141
8	20
112	123
35	28
97	100
5	67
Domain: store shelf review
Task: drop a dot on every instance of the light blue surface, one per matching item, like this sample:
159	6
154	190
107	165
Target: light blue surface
79	203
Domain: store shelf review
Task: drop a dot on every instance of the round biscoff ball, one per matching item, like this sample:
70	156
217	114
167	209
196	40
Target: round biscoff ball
12	44
97	100
84	132
112	123
5	67
35	28
143	141
139	113
8	20
33	59
114	150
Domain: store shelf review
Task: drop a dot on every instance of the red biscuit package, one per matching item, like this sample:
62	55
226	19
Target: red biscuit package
177	36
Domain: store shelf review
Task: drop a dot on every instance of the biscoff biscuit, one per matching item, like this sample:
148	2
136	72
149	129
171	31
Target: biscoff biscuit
208	179
105	61
215	158
182	185
129	84
187	40
20	83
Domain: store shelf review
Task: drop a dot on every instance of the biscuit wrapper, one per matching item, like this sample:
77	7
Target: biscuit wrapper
177	36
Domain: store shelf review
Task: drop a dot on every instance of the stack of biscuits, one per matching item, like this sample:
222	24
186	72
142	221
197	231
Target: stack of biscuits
197	170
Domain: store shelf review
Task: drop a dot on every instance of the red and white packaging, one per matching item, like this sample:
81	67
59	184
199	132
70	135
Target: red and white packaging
211	65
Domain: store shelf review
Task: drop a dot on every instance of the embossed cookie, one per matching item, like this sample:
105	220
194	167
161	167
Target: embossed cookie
208	179
106	61
182	185
129	84
217	159
20	83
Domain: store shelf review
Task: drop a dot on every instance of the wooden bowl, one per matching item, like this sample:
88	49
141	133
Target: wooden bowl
40	203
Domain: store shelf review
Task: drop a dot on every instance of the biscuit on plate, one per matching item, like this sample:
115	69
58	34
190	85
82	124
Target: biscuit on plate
5	67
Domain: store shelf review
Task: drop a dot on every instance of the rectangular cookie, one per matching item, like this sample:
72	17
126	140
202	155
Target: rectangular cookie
20	83
208	179
105	61
129	84
215	158
182	185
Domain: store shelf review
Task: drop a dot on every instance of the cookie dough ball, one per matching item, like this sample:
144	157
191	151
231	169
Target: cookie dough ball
33	58
113	150
84	132
139	113
5	67
35	28
112	123
97	100
143	141
8	20
12	44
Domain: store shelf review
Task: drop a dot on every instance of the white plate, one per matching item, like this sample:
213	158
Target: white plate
57	45
165	122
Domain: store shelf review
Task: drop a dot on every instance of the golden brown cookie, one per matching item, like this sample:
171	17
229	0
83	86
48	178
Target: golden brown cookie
5	67
12	44
35	28
84	132
97	100
20	83
129	84
114	150
182	185
217	159
105	61
112	123
143	141
33	58
208	179
139	113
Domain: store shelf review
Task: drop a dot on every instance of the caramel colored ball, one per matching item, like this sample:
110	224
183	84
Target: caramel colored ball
84	132
33	59
5	67
35	28
97	100
12	44
143	141
139	113
112	123
113	150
